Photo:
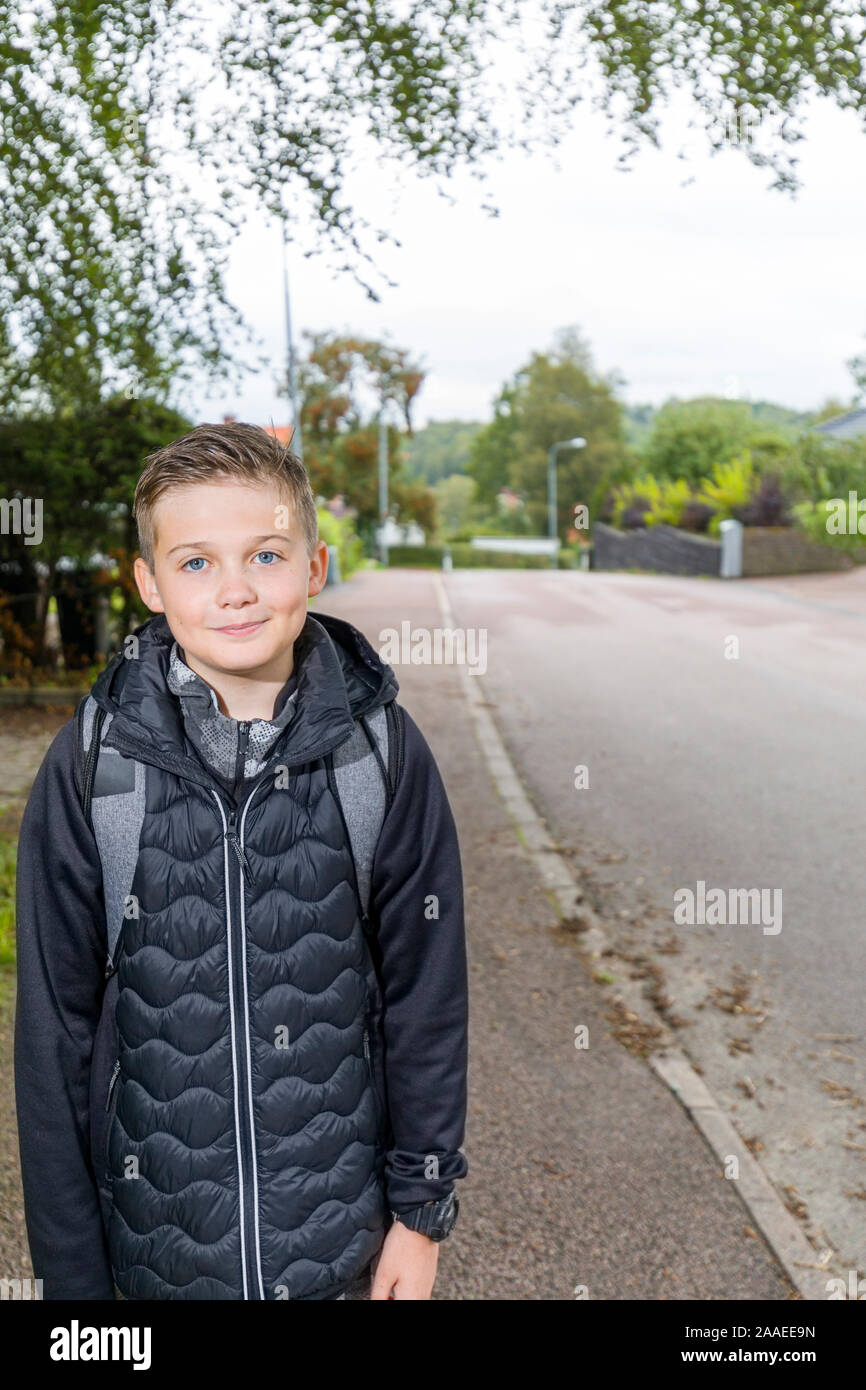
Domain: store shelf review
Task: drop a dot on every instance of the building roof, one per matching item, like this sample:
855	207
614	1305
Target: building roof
851	425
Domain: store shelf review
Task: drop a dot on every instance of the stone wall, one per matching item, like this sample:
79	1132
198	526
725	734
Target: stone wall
662	548
667	550
786	550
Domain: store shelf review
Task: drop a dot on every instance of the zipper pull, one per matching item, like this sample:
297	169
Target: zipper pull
367	1044
111	1084
232	837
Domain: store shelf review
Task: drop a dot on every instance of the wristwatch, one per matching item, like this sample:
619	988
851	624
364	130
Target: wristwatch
433	1219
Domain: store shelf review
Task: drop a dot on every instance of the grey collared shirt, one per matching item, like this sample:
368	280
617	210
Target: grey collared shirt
216	735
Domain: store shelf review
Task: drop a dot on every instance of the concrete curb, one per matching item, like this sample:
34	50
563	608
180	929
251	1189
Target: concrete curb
807	1269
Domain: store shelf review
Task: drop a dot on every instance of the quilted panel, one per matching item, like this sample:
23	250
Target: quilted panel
184	1105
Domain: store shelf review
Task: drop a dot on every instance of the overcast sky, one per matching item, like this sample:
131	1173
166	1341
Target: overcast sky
722	286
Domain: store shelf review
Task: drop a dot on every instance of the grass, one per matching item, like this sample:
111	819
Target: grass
7	900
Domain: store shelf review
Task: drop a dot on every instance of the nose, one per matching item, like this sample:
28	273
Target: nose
234	588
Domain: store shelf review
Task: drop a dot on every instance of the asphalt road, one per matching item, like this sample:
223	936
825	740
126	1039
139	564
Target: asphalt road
585	1171
723	728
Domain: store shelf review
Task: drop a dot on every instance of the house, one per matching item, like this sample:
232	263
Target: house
508	500
392	533
282	433
850	425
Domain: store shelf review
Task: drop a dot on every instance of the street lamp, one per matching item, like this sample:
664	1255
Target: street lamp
577	443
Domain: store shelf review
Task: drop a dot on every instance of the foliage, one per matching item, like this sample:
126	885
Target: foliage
456	505
668	506
465	556
83	468
649	501
440	449
7	901
768	505
814	518
729	489
556	396
689	437
112	270
733	490
340	531
341	443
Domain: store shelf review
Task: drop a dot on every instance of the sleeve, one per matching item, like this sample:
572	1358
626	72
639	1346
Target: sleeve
417	908
61	945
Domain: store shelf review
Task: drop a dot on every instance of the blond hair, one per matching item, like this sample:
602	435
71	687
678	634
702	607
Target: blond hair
209	453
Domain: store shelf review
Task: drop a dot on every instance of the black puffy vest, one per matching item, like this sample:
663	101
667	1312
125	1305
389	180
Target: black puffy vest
239	1123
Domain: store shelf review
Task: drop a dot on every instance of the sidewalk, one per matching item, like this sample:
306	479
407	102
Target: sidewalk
583	1168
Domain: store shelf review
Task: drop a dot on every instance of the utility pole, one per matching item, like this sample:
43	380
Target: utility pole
383	482
297	444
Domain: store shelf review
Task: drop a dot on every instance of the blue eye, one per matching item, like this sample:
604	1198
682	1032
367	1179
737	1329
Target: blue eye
192	562
269	552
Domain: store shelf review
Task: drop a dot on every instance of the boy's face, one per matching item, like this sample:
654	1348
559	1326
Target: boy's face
230	576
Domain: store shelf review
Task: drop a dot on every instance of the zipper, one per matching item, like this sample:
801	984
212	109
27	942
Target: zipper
111	1085
253	1285
109	1112
241	758
372	1075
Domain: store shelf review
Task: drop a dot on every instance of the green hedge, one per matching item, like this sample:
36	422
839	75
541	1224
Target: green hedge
465	556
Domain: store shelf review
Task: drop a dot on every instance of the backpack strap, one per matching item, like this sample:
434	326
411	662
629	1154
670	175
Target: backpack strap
362	776
86	753
396	743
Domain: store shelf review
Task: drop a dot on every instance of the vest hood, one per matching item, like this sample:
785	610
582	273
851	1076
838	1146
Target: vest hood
340	677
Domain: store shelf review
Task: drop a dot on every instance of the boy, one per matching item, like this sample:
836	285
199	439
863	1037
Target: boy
241	1024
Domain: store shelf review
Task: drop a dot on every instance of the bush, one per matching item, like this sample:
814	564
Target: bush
769	505
649	501
729	490
812	518
340	531
463	556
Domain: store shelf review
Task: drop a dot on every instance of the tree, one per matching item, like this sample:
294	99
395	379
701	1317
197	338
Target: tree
83	468
440	449
689	437
558	395
493	452
455	502
341	441
111	271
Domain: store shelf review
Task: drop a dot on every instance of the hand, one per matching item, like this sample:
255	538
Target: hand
405	1267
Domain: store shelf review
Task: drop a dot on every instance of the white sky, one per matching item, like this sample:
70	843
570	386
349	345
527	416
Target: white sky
721	287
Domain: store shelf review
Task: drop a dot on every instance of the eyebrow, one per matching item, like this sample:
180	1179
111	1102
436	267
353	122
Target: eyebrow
254	540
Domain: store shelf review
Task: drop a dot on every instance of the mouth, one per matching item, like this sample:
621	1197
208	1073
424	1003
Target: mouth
241	629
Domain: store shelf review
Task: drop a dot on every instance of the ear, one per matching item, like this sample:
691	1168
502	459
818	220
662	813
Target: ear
145	581
318	569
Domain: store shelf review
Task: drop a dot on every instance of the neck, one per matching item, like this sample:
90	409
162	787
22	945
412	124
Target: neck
247	695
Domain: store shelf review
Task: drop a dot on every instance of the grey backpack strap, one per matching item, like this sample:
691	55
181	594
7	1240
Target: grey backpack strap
361	776
89	718
112	792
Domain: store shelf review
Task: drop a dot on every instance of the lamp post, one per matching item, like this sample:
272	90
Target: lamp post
577	443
